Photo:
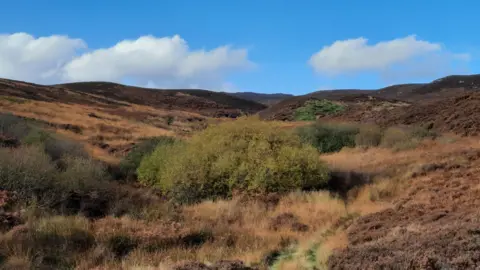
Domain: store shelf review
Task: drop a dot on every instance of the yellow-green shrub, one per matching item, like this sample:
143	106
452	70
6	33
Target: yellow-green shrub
151	165
245	155
131	162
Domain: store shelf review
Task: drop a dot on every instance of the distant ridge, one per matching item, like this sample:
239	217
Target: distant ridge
267	99
436	90
208	103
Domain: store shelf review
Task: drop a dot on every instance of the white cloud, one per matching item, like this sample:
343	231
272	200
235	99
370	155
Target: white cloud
23	57
147	61
356	55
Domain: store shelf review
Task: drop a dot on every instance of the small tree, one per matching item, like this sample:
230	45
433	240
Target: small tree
329	137
247	155
312	108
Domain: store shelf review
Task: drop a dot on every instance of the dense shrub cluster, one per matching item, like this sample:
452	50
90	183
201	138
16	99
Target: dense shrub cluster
27	171
329	137
130	163
245	155
33	176
332	137
312	108
49	170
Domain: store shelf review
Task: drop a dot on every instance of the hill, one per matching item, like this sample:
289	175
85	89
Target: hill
205	102
458	114
202	101
383	208
109	118
435	90
353	100
267	99
402	94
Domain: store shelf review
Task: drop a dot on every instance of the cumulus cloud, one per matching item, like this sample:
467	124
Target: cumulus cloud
147	61
23	57
386	57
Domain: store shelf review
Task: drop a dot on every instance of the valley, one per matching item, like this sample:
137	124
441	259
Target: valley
141	178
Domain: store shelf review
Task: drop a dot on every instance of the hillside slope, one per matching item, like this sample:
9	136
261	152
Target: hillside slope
267	99
109	118
355	101
201	101
436	90
431	216
459	114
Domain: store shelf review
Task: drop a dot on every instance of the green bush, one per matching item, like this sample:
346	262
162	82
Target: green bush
246	155
154	164
34	177
29	172
53	172
28	132
83	175
130	163
312	108
329	137
368	136
12	126
54	145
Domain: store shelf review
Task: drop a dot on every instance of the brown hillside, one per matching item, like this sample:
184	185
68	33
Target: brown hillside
267	99
432	222
458	114
109	118
201	101
284	109
437	90
358	104
205	102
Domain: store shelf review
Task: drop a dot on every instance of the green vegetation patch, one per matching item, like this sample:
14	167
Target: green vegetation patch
332	137
130	163
247	155
312	108
52	171
327	137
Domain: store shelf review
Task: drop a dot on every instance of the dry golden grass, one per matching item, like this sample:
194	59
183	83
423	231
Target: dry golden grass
115	127
396	170
246	229
374	160
240	228
253	222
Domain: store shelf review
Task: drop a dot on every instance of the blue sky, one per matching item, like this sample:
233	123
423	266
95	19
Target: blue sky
271	45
